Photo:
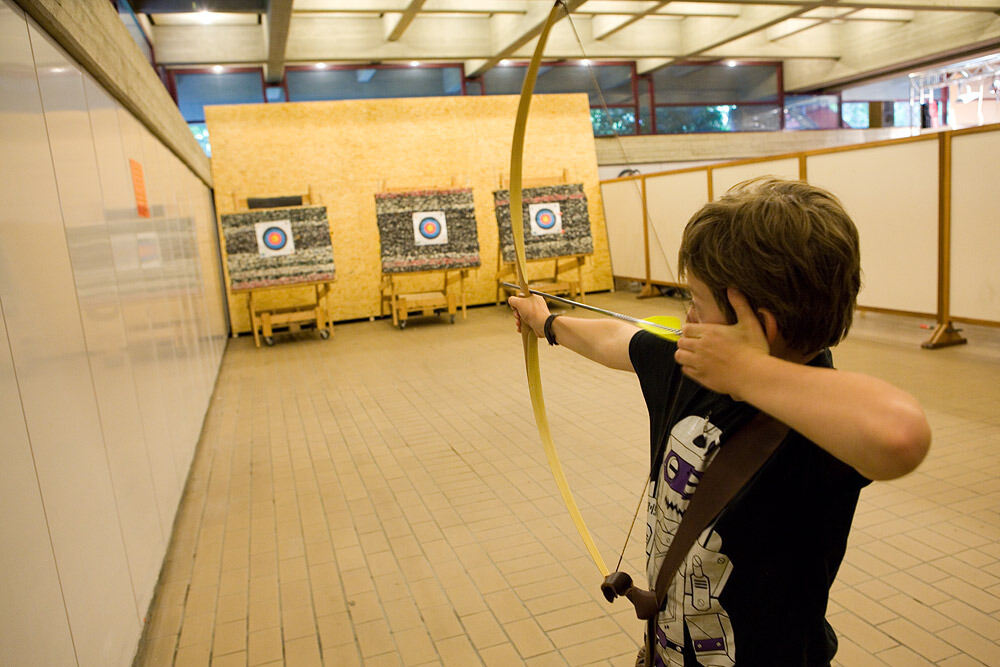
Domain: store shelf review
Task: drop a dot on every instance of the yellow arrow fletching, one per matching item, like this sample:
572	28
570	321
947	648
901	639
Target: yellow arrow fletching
662	320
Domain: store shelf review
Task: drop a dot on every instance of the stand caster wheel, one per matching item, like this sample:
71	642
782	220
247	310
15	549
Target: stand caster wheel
452	319
268	340
402	324
324	333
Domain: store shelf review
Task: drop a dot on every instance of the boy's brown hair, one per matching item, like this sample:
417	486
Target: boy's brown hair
789	247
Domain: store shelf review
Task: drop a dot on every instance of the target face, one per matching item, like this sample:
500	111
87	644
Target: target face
274	238
430	228
545	218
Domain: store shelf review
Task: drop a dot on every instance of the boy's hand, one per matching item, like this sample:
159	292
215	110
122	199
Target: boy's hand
532	310
721	356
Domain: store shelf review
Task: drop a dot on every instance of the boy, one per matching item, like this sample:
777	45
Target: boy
774	271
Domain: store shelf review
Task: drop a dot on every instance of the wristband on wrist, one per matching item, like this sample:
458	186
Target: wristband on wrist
549	336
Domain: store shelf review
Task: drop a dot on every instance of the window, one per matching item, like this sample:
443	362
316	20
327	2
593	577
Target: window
811	112
275	94
716	97
717	118
196	89
354	83
856	115
200	132
605	85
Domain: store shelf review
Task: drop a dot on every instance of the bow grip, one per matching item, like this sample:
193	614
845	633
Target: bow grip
618	584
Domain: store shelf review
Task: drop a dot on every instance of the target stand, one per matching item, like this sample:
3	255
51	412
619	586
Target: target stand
402	305
564	277
264	318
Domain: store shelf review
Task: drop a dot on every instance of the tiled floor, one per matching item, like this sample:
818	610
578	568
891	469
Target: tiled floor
382	498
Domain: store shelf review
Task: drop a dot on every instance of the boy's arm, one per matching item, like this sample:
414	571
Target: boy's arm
877	428
601	340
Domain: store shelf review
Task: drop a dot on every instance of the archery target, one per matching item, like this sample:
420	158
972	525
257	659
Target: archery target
545	218
430	228
274	238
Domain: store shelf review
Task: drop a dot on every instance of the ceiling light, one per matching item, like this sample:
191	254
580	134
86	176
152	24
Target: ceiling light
585	62
414	63
218	69
504	62
731	63
320	66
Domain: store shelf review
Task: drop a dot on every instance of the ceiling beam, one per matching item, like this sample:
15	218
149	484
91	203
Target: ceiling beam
918	5
210	45
361	40
821	43
396	23
277	19
509	34
605	26
647	65
399	6
702	33
881	49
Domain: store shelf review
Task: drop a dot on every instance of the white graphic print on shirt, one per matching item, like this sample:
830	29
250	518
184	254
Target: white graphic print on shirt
693	597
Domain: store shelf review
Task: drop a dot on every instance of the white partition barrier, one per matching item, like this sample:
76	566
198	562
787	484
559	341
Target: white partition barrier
623	216
891	192
891	189
726	177
975	226
671	200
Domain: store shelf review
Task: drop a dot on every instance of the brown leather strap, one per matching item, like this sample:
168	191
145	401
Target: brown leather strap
736	462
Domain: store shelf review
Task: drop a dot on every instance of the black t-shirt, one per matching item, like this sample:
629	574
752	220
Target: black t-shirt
755	585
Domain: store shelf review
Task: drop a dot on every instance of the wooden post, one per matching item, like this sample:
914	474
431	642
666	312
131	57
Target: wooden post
945	334
647	289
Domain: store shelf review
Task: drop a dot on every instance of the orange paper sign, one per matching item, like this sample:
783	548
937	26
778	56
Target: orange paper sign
139	185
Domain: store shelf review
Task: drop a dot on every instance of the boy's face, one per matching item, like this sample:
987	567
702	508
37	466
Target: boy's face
703	308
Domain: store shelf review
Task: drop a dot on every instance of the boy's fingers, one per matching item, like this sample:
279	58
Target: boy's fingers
740	305
690	331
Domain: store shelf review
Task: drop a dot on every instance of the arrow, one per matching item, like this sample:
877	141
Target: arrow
642	324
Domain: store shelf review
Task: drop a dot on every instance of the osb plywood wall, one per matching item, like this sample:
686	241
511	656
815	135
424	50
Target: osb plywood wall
345	152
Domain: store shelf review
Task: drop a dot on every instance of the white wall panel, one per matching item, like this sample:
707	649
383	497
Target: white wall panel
32	597
139	289
188	287
891	192
166	301
57	391
78	179
107	342
671	200
975	226
211	268
724	178
623	216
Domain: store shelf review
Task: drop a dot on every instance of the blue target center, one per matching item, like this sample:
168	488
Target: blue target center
430	228
545	218
275	238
